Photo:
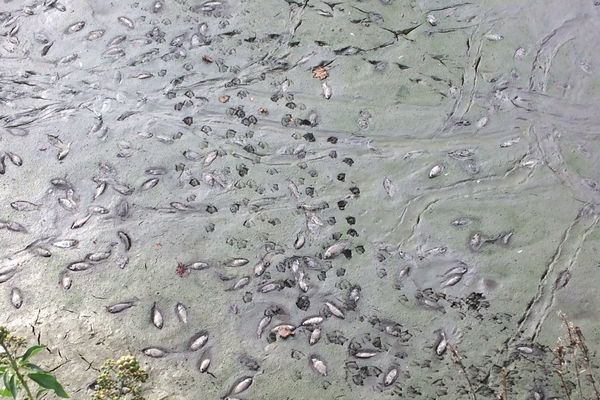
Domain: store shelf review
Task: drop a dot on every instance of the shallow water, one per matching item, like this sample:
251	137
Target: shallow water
426	170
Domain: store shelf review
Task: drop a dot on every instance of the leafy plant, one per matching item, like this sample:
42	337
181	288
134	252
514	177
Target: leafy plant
120	380
18	373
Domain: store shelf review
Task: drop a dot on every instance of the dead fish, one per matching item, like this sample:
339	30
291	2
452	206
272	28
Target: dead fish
460	269
436	171
198	341
197	266
390	377
78	266
76	27
14	158
149	184
156	316
128	23
334	310
100	188
270	287
364	354
442	344
432	20
81	221
119	307
237	262
23	205
326	91
262	325
65	281
240	386
65	243
452	280
94	35
155	171
61	183
67	204
335	250
98	256
318	365
155	352
312	321
181	312
16	298
122	188
315	336
204	364
242	282
388	187
125	239
64	152
13	226
210	157
300	240
563	279
41	251
98	210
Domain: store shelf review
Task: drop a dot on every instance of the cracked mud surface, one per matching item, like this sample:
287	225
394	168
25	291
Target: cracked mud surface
334	193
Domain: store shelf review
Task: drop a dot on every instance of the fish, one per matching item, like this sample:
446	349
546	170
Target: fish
128	23
197	266
312	321
125	239
198	341
452	280
78	223
78	266
326	91
436	171
181	312
442	344
318	365
100	189
315	336
98	256
94	35
14	158
149	184
210	157
65	243
240	386
335	310
335	250
65	280
237	262
155	352
98	210
76	27
300	240
119	307
156	316
262	325
16	298
390	377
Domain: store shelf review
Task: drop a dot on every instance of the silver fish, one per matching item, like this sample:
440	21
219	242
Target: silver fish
98	256
149	184
100	189
155	352
315	336
390	377
236	262
76	27
181	312
98	210
14	158
198	341
128	23
241	385
157	317
97	34
333	309
335	250
81	221
16	298
442	344
119	307
23	205
318	365
197	266
210	157
65	243
436	171
78	266
65	281
125	239
262	325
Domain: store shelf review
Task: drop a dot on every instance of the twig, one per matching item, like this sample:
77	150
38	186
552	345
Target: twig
458	361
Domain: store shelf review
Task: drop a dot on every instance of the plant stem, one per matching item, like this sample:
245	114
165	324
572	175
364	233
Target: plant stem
15	367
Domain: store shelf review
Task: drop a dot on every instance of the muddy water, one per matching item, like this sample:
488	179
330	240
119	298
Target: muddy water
344	197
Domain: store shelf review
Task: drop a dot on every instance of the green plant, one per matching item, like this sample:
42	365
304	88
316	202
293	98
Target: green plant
120	380
17	372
